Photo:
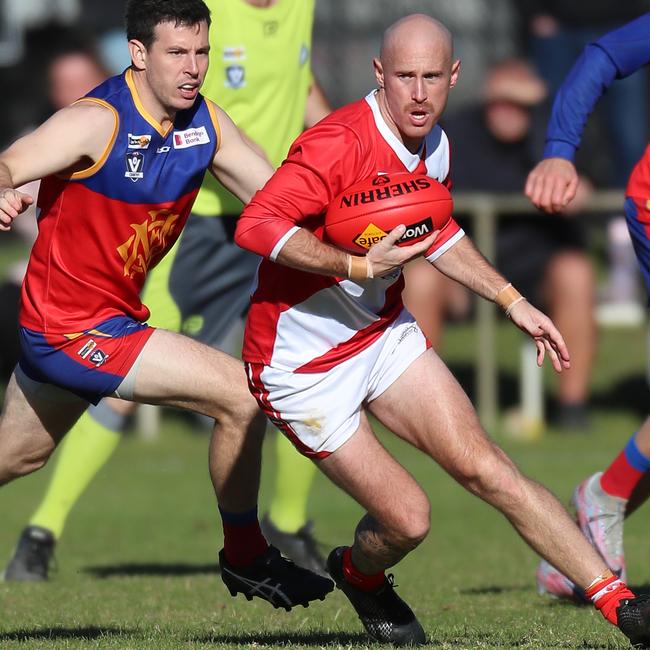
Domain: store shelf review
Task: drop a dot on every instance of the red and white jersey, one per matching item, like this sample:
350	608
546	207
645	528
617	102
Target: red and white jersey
304	322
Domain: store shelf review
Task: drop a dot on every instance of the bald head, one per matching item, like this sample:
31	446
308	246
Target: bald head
415	32
414	74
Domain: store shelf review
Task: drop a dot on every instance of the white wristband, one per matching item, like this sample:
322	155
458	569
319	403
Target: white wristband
512	304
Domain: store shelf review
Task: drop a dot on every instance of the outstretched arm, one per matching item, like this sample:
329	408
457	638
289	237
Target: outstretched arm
553	182
72	139
464	263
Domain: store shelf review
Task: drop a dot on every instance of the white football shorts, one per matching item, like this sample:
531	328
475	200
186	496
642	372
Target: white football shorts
319	411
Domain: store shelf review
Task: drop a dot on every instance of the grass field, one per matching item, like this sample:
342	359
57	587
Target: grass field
136	566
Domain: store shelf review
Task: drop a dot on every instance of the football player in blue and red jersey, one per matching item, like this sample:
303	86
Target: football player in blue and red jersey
121	168
601	500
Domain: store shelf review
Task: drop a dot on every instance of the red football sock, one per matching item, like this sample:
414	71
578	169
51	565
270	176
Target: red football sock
360	580
606	593
242	538
620	478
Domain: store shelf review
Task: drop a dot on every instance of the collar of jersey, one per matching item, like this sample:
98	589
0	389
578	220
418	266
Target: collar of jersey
140	107
410	160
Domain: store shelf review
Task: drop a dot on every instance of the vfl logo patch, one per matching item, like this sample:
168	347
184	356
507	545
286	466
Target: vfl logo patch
87	349
370	235
98	358
190	138
134	166
235	76
139	141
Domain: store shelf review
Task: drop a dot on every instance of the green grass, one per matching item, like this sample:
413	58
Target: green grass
136	566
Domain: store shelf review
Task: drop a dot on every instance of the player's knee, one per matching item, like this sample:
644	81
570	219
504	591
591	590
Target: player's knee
241	408
17	462
490	475
244	416
414	522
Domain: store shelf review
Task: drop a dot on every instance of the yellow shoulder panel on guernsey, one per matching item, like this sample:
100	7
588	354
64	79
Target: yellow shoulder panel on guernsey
215	120
140	107
97	165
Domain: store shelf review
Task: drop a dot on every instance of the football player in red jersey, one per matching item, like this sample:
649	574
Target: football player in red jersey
120	170
320	351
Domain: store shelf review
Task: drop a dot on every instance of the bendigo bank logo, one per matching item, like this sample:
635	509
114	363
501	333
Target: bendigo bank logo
149	240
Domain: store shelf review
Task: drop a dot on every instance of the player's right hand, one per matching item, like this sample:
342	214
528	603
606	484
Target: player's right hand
386	256
12	203
552	184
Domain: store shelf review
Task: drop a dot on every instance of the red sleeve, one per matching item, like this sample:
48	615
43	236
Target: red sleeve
321	163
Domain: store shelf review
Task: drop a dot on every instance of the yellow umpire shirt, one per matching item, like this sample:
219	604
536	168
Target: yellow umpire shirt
260	74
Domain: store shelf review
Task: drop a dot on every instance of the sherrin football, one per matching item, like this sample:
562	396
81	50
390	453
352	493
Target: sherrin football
366	212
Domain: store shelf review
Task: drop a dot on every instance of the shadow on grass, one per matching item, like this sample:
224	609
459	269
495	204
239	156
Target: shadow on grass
499	640
324	639
53	633
501	589
286	638
150	569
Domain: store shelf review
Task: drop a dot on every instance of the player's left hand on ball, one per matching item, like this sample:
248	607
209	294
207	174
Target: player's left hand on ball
386	256
546	336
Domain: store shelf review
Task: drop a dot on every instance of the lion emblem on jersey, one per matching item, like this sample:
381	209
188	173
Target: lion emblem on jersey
150	239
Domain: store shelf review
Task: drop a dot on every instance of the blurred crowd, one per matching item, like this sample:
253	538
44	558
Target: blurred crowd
514	54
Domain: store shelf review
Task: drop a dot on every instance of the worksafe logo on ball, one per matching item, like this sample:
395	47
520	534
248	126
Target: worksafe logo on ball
419	229
134	166
370	235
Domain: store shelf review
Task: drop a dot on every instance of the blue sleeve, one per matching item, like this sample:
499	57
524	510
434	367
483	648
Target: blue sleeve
616	55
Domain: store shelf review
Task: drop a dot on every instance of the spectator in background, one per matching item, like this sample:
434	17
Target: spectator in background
495	145
105	21
556	32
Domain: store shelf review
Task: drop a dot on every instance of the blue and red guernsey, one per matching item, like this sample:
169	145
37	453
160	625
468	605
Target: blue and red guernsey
101	229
